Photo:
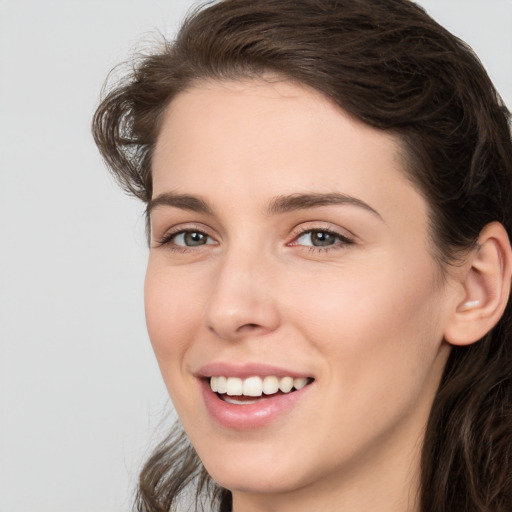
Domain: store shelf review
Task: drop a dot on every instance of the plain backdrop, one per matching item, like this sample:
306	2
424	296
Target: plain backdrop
81	398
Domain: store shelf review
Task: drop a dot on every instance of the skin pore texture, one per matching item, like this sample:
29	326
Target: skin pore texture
285	234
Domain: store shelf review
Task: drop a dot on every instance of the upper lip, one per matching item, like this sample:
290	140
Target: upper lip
246	370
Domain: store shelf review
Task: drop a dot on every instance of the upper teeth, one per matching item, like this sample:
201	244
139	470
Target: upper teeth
255	386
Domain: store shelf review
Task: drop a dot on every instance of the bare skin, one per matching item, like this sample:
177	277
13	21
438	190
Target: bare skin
339	284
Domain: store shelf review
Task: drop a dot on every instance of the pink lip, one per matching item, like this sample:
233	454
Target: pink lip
248	416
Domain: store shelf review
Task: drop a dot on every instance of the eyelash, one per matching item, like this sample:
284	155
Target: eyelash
342	241
168	238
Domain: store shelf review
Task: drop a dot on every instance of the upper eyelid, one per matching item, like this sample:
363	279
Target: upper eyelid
166	237
187	226
306	227
344	240
297	231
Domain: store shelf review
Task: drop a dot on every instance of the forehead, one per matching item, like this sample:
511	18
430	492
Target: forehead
273	137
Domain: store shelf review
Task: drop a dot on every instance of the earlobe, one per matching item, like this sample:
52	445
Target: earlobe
486	284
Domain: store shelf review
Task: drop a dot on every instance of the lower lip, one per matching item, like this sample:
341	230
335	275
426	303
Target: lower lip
250	416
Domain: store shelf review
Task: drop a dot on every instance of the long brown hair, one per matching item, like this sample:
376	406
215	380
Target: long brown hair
388	64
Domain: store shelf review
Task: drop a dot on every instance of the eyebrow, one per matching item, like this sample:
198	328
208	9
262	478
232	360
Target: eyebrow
278	205
284	204
182	201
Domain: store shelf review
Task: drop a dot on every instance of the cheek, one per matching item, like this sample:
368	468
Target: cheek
379	340
378	324
172	314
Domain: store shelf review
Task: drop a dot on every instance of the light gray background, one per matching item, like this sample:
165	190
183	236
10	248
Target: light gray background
80	393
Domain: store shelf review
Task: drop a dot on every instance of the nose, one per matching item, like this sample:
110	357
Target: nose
242	300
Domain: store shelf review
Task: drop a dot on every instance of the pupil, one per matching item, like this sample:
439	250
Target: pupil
321	238
194	238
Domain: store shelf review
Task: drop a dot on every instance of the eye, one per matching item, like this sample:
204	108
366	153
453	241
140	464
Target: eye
317	238
191	238
321	238
187	238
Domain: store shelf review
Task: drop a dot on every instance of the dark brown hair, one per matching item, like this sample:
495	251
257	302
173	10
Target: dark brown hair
388	64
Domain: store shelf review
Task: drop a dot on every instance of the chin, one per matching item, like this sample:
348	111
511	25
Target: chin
260	469
257	480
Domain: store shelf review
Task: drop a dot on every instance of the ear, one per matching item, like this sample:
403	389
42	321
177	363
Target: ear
485	280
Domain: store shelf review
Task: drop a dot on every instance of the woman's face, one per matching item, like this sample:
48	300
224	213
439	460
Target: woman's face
288	244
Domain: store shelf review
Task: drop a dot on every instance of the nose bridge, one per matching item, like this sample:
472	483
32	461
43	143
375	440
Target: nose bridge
241	299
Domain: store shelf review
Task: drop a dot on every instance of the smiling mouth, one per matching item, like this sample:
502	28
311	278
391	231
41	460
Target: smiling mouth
239	391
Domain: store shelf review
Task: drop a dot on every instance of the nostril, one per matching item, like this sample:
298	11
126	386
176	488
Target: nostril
248	327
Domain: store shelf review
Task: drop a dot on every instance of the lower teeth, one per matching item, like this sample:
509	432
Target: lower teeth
238	401
245	400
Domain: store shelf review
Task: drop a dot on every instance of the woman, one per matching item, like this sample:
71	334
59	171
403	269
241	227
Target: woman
329	197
